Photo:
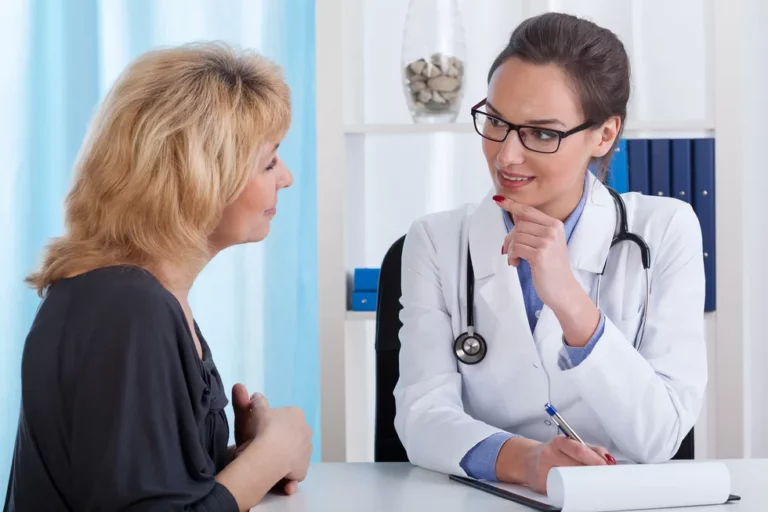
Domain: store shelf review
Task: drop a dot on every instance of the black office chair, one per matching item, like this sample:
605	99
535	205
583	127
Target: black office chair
387	445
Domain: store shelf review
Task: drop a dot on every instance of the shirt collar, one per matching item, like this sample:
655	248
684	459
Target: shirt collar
570	221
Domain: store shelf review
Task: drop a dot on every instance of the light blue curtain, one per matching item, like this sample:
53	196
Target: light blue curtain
256	304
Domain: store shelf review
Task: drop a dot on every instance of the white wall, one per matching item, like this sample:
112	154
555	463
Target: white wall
742	356
756	181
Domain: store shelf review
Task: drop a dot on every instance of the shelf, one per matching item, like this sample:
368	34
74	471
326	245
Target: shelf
654	129
409	128
361	315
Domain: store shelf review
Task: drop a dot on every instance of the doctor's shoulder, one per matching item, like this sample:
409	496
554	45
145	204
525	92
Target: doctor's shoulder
443	229
665	223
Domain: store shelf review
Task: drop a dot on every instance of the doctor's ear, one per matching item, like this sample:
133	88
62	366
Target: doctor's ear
605	135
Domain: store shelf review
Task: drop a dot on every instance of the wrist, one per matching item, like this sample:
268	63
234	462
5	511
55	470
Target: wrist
578	317
511	464
251	475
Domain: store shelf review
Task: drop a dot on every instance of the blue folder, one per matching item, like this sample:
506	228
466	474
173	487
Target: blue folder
660	156
366	279
618	177
681	170
704	204
639	181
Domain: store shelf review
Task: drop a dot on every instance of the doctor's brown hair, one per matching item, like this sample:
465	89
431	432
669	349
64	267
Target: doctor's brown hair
592	57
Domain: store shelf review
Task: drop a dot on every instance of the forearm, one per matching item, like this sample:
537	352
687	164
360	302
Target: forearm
645	413
251	476
577	315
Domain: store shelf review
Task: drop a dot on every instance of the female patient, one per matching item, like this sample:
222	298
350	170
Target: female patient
122	406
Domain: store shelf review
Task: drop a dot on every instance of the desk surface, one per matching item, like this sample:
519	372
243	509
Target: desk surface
402	487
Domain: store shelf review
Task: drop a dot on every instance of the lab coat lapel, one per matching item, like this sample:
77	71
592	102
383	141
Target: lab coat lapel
500	310
591	238
587	251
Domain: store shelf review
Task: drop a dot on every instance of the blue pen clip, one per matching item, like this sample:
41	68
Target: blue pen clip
552	412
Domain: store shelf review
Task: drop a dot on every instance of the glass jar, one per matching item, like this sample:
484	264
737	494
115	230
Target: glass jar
433	60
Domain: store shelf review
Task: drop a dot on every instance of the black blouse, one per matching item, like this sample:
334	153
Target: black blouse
118	412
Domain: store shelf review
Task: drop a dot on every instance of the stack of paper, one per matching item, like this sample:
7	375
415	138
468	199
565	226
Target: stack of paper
627	487
623	487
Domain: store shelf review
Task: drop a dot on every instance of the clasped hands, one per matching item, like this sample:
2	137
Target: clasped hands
284	428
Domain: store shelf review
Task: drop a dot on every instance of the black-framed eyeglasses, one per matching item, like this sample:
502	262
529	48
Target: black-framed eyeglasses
534	138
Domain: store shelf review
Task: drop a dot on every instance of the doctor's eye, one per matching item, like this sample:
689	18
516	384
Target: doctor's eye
495	123
272	164
543	135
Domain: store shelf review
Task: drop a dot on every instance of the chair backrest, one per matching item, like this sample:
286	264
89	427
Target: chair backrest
686	452
387	445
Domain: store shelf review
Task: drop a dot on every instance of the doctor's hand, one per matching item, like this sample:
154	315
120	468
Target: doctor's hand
540	240
525	461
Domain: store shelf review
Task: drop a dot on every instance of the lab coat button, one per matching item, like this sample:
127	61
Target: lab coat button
548	423
538	313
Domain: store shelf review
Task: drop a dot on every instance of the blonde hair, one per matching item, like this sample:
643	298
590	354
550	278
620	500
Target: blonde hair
169	149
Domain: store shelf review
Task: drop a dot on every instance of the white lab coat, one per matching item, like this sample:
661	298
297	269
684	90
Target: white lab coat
637	404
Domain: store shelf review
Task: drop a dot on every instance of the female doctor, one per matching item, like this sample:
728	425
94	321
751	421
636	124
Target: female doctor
620	355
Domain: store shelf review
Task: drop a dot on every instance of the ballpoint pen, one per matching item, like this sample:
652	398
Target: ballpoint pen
563	425
566	429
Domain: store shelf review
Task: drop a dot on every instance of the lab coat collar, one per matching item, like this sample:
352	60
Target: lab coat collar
591	239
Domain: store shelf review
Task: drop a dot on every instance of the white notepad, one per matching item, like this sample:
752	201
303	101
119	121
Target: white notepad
623	487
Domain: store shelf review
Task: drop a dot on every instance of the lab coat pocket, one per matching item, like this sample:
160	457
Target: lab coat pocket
630	325
483	393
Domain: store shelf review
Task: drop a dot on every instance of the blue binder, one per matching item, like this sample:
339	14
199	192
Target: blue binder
638	166
681	169
366	279
364	301
704	206
618	178
660	177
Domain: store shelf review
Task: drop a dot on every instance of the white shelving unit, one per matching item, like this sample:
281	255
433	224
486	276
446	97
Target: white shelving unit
646	130
361	316
378	171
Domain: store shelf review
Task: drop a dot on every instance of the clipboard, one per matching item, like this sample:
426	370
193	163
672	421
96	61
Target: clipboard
525	500
508	495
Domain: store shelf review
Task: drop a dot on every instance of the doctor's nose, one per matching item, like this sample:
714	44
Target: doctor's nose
512	151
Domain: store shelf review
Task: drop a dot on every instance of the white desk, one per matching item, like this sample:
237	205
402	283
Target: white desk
384	487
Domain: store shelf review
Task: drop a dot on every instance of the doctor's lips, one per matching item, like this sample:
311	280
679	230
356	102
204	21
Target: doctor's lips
513	180
271	212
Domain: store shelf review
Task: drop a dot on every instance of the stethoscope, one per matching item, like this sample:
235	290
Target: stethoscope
471	348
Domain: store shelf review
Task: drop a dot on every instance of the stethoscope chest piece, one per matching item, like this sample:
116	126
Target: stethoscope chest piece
470	347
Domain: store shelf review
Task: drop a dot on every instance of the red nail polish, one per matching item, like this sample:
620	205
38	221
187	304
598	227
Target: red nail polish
498	199
610	459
